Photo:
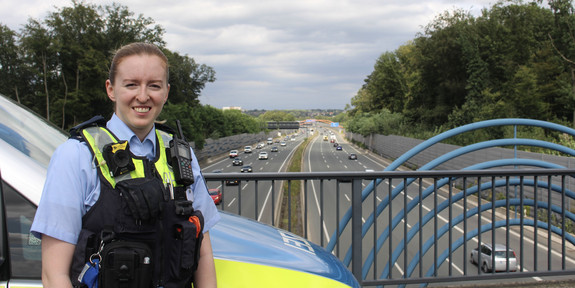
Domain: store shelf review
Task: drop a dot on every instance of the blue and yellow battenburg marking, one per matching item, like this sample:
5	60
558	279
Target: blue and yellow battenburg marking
251	254
238	274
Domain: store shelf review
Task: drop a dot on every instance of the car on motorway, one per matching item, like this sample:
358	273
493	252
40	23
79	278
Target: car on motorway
339	148
237	162
332	140
283	143
335	144
233	153
275	149
232	182
248	149
260	146
216	195
483	257
352	156
263	156
27	142
246	168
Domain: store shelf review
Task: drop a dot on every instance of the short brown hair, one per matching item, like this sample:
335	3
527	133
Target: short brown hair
137	48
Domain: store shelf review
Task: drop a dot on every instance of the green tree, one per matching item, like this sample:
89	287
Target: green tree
463	69
9	62
80	53
525	95
62	64
562	38
198	122
237	122
362	102
276	115
123	27
187	78
442	75
71	50
386	85
39	55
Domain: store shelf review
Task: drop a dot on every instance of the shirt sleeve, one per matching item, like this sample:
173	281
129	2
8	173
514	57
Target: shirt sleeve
71	187
198	192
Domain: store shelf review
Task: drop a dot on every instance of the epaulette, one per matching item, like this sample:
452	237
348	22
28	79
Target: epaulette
95	121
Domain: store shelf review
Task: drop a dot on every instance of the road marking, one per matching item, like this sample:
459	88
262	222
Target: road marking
488	220
268	195
314	192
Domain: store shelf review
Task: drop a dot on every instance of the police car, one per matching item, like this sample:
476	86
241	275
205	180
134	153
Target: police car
256	255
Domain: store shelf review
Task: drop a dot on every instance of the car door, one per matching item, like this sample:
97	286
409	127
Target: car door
20	259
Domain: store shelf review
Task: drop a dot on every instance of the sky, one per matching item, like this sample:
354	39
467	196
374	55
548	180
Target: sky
276	54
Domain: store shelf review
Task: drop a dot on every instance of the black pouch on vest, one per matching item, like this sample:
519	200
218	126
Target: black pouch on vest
143	196
126	264
183	246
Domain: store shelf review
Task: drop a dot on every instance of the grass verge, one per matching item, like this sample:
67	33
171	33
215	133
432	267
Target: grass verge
291	214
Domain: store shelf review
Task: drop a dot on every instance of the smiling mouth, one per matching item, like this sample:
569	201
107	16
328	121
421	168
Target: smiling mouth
142	109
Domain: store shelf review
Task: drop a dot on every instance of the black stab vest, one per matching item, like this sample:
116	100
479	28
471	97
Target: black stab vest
167	230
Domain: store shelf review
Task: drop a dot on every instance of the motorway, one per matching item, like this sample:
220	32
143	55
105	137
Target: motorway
322	156
257	197
323	197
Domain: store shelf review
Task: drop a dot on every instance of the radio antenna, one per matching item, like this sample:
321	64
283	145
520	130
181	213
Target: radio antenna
180	130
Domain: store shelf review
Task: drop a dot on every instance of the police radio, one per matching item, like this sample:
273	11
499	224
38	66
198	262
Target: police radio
180	157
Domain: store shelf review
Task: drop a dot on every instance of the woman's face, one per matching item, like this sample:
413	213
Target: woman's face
139	91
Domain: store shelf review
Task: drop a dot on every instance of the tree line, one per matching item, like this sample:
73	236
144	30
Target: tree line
515	60
57	67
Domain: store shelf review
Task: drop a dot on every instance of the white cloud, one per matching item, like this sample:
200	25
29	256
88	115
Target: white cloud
277	54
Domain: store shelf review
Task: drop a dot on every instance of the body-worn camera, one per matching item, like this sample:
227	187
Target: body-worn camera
118	158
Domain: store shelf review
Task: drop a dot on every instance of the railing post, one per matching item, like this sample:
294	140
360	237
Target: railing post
356	223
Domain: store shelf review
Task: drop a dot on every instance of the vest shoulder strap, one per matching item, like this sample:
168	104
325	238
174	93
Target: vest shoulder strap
165	128
95	121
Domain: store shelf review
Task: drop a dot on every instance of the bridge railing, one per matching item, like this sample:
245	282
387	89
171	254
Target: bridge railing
419	227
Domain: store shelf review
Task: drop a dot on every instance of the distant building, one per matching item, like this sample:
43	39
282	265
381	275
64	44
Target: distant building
232	108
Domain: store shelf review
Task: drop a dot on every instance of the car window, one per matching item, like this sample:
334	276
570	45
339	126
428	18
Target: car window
500	254
25	253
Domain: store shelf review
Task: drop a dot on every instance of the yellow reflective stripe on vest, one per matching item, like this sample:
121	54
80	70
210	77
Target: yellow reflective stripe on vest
165	171
98	137
241	274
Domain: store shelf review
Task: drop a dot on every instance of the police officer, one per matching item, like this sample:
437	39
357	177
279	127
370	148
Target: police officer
138	85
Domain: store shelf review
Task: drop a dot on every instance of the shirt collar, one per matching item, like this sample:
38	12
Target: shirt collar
123	132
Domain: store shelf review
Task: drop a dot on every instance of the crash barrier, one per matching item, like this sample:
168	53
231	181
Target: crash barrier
214	148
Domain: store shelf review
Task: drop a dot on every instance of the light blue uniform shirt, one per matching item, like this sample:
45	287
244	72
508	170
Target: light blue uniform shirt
72	185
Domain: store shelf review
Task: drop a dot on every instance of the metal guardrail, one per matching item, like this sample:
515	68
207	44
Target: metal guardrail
426	223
